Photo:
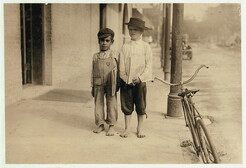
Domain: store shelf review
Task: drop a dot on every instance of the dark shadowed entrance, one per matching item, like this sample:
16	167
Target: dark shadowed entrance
31	43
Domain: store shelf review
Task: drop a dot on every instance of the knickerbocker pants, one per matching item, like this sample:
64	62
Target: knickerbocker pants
133	95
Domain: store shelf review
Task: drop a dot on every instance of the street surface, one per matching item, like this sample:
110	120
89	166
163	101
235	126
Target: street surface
56	126
219	96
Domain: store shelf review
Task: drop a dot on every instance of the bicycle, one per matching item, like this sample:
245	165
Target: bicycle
202	141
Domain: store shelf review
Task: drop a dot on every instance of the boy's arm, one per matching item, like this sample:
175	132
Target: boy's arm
92	82
147	73
117	72
92	70
122	66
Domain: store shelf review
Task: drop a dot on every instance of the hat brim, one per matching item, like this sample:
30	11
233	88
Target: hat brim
145	28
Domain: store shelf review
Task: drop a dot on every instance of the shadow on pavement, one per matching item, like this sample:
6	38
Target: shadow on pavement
66	95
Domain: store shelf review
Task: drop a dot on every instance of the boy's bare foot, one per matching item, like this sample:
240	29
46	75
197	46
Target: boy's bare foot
110	131
140	135
99	129
124	134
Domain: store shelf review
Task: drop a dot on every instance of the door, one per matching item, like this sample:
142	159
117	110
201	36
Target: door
102	15
31	43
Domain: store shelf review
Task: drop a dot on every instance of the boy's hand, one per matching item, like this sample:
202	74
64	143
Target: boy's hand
117	88
92	91
136	81
118	85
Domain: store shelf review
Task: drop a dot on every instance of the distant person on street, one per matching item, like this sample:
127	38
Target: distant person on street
135	70
104	82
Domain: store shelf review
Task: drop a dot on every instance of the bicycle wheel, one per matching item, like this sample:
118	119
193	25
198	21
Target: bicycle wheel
207	149
190	122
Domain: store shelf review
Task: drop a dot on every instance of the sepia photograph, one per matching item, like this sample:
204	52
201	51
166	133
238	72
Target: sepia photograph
102	83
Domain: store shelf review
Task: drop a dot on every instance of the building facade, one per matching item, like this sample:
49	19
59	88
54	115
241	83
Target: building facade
47	44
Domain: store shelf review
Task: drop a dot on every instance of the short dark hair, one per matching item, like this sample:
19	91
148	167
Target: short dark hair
105	32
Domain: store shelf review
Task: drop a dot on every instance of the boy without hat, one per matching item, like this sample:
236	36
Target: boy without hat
135	70
104	82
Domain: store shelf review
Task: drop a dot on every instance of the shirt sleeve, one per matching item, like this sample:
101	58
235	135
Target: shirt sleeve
122	65
116	55
147	73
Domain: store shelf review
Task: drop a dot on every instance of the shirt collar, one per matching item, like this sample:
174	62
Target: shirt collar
137	42
104	54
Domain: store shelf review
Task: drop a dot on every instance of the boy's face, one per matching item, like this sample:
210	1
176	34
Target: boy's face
105	43
135	32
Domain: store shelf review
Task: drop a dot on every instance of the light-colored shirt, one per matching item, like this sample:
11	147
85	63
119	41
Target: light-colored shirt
135	61
103	55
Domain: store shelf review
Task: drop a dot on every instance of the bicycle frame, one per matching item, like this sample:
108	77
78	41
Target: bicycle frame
202	142
188	99
193	120
191	114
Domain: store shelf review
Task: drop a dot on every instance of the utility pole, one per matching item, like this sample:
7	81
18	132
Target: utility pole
174	101
166	68
163	35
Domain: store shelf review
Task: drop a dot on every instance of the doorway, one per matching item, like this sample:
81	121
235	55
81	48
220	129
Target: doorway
31	19
102	15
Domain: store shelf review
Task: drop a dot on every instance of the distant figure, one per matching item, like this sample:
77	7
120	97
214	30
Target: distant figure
104	82
186	49
135	70
185	46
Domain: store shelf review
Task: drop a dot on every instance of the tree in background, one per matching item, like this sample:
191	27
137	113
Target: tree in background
221	25
154	14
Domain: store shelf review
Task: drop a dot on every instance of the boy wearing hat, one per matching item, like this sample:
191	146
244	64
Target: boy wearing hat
104	82
135	70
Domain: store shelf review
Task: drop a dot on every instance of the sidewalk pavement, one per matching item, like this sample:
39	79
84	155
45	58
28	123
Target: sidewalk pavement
55	127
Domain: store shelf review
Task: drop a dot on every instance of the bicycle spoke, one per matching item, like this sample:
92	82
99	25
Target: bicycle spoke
211	157
208	150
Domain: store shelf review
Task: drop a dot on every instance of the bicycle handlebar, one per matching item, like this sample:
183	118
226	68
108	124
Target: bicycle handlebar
185	82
